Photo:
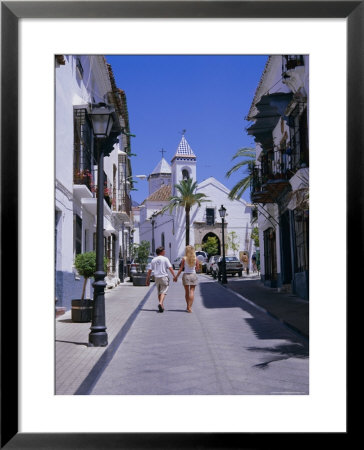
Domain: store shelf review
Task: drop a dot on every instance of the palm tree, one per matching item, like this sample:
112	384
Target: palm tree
248	155
186	199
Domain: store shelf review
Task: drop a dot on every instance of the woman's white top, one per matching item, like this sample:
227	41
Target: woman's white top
189	269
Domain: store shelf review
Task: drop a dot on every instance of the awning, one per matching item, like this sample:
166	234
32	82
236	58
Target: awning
270	108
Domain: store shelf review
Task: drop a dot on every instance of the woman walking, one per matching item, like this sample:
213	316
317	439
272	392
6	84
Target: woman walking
189	279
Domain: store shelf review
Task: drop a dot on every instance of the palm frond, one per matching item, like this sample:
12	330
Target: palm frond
237	167
245	152
238	190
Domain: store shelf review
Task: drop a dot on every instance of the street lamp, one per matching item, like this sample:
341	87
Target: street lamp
222	212
152	221
106	128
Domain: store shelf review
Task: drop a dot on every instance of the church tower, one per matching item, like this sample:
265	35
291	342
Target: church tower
183	164
160	176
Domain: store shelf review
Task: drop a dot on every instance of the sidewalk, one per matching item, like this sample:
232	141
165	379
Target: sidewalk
288	308
74	359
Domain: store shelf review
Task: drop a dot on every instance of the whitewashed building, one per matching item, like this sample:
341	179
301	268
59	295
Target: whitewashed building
280	179
168	229
80	82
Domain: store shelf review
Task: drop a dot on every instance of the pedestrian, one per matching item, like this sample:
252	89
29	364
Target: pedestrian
245	261
254	263
160	265
190	264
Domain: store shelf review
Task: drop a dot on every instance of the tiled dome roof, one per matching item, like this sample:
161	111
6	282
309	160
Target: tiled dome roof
184	150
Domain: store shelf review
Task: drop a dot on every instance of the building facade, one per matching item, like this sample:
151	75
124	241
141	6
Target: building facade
82	81
280	178
168	228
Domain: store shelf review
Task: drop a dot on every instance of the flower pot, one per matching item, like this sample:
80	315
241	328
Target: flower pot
140	279
81	310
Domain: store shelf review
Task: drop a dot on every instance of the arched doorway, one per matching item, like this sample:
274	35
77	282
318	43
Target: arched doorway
204	240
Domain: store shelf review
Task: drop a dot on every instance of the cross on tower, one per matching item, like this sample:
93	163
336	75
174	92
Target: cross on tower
163	151
183	132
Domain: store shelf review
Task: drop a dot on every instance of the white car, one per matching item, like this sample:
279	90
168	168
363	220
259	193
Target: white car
176	263
210	262
134	268
203	258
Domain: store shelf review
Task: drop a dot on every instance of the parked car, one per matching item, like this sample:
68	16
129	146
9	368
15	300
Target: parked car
203	258
176	263
134	268
233	266
210	263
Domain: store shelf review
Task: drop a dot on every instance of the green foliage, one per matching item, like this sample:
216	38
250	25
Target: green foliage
141	253
85	264
211	246
248	155
255	236
233	241
187	198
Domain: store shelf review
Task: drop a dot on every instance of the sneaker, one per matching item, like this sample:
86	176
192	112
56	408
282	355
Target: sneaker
160	307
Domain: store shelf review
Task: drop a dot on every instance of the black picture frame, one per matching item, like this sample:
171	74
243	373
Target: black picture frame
11	12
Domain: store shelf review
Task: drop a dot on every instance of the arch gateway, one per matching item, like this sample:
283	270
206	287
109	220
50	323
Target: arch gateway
203	231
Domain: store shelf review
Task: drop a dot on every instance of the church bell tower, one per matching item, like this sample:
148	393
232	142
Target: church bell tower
183	164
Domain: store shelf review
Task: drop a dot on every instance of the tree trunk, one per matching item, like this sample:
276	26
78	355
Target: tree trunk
84	288
187	226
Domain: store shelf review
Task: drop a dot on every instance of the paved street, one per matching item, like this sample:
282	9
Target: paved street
226	346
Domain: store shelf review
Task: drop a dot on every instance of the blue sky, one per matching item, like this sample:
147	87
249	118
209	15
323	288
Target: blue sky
208	96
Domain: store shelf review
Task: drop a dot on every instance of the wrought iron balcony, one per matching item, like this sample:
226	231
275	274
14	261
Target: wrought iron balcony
266	186
84	177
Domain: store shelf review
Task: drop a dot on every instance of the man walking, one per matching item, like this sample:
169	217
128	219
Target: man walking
160	265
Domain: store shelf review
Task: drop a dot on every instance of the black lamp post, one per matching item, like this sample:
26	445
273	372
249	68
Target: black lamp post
152	221
106	128
222	212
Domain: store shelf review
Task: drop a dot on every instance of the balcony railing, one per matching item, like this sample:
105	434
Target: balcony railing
84	177
267	185
290	62
125	204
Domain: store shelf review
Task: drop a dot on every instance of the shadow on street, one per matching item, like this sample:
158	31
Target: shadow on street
262	324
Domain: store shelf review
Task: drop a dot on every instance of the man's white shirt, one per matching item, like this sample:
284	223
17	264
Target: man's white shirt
160	265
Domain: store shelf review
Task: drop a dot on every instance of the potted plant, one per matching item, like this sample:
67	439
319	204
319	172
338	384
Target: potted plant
85	264
141	252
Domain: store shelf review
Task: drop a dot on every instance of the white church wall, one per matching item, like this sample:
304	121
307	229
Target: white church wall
237	212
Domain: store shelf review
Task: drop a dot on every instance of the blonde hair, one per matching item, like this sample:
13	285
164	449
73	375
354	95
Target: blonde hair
190	257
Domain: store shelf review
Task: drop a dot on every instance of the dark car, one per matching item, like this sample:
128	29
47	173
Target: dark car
233	266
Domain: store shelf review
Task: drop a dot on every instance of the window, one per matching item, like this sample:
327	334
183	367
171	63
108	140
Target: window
77	234
289	62
301	240
83	160
79	66
185	174
298	137
113	253
163	240
210	216
270	258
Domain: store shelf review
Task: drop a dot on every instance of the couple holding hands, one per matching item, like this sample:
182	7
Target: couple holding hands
161	264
